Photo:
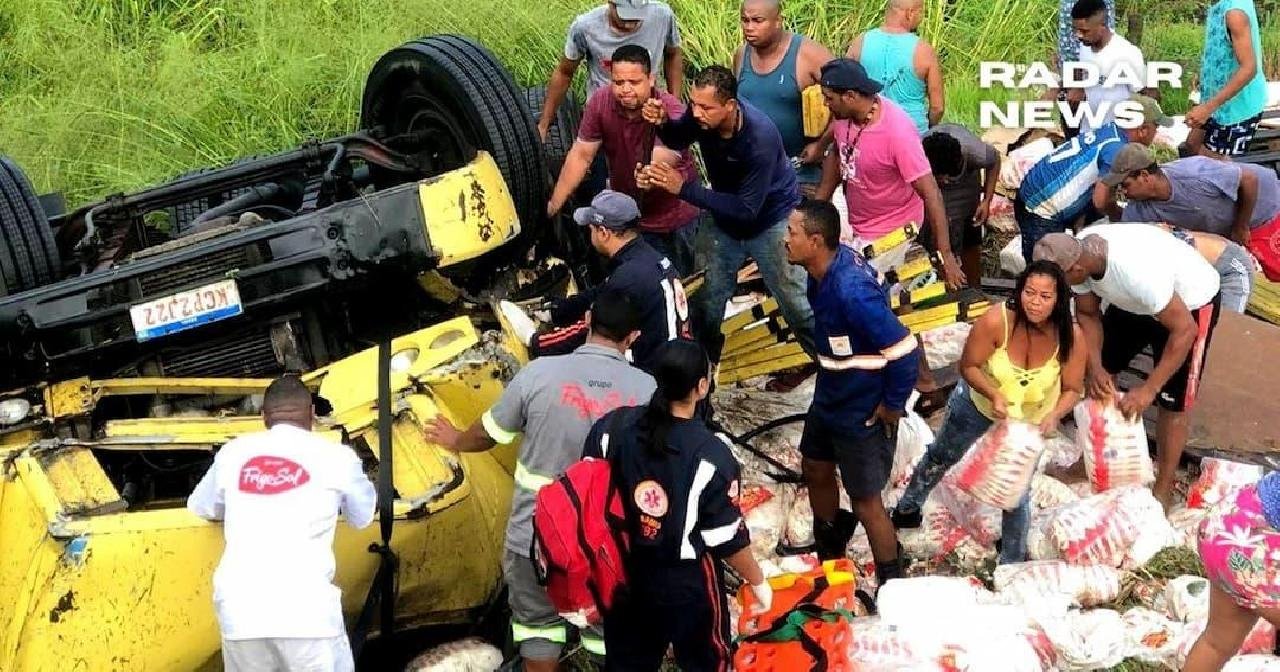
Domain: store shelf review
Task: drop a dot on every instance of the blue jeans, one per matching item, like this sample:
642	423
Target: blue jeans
680	245
961	426
725	256
1033	227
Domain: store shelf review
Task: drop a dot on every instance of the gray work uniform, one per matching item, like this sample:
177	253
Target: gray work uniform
553	401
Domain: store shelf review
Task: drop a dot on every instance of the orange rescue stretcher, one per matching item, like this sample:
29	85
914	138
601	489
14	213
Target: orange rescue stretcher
809	626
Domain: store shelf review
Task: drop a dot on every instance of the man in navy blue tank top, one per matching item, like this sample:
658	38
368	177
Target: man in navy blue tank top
774	66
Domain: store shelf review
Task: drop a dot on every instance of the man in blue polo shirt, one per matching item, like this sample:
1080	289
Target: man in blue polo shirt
1060	188
753	190
867	368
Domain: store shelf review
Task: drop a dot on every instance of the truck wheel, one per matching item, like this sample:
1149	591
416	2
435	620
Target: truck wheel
28	255
563	130
442	98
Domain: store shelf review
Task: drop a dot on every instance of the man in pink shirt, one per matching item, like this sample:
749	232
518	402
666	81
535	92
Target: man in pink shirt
888	180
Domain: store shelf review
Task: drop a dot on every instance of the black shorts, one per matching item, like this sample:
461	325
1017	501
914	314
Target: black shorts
961	231
865	458
1126	334
1232	139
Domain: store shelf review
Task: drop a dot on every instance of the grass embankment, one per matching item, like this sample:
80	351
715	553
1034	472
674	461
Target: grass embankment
99	96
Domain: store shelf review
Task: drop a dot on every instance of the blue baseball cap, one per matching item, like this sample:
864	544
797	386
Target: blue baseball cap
610	209
848	75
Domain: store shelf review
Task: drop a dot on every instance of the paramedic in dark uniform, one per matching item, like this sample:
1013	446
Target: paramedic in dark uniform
635	268
867	368
679	484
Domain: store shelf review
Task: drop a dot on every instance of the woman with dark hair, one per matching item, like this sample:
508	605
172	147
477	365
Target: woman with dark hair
1023	361
679	485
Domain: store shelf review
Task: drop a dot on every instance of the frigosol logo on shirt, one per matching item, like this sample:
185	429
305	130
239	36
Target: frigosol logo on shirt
267	475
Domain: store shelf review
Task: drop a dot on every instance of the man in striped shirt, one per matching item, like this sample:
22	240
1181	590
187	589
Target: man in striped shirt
1059	189
868	365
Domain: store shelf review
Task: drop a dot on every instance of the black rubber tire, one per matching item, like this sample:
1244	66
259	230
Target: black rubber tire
28	254
563	130
457	89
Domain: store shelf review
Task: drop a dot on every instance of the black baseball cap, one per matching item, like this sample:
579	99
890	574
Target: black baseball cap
848	75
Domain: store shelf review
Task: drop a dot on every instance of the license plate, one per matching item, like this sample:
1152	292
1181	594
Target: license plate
185	310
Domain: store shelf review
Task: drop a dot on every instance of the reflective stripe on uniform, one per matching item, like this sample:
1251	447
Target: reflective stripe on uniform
551	633
901	348
701	478
864	362
593	644
495	431
721	535
529	480
871	362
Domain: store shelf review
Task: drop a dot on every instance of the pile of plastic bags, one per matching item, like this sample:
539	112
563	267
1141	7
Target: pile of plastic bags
1077	604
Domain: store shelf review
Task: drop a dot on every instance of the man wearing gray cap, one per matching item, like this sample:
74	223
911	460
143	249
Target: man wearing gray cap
594	36
1197	193
635	268
1163	294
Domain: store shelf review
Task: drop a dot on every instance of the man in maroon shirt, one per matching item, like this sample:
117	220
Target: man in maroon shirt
612	122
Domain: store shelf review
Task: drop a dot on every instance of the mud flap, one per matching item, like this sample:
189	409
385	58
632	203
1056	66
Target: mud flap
383	589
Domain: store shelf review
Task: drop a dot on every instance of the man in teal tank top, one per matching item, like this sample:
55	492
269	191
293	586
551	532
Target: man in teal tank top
905	65
773	66
1233	90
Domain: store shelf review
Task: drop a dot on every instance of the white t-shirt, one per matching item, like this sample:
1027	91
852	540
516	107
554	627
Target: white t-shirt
279	493
1107	60
1146	266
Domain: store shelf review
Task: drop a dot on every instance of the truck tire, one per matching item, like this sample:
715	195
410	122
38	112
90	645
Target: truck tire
563	130
28	254
454	97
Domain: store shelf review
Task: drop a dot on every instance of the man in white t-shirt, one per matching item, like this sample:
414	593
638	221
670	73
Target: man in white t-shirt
1163	294
279	493
1109	53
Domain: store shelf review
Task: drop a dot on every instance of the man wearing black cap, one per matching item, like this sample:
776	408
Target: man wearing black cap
635	268
753	191
888	180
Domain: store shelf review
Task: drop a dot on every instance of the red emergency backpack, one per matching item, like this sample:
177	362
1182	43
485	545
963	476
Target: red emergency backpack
580	540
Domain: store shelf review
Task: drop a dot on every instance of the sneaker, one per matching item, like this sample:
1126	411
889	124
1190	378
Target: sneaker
906	520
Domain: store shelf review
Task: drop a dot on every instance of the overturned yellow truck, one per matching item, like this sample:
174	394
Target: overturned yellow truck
138	333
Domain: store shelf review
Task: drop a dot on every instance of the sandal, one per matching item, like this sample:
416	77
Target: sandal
930	402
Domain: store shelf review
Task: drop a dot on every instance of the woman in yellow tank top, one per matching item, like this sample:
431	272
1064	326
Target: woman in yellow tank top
1022	361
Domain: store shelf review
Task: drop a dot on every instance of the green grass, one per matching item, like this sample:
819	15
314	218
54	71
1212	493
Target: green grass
100	96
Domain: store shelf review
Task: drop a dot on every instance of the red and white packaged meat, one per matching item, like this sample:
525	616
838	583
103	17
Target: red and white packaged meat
1087	585
998	468
1094	530
1218	478
1115	449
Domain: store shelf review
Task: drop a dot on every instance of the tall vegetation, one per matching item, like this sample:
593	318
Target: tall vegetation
99	96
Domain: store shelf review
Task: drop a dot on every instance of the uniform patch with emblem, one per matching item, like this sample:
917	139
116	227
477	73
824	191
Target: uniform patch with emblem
682	300
840	345
649	527
733	492
650	498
